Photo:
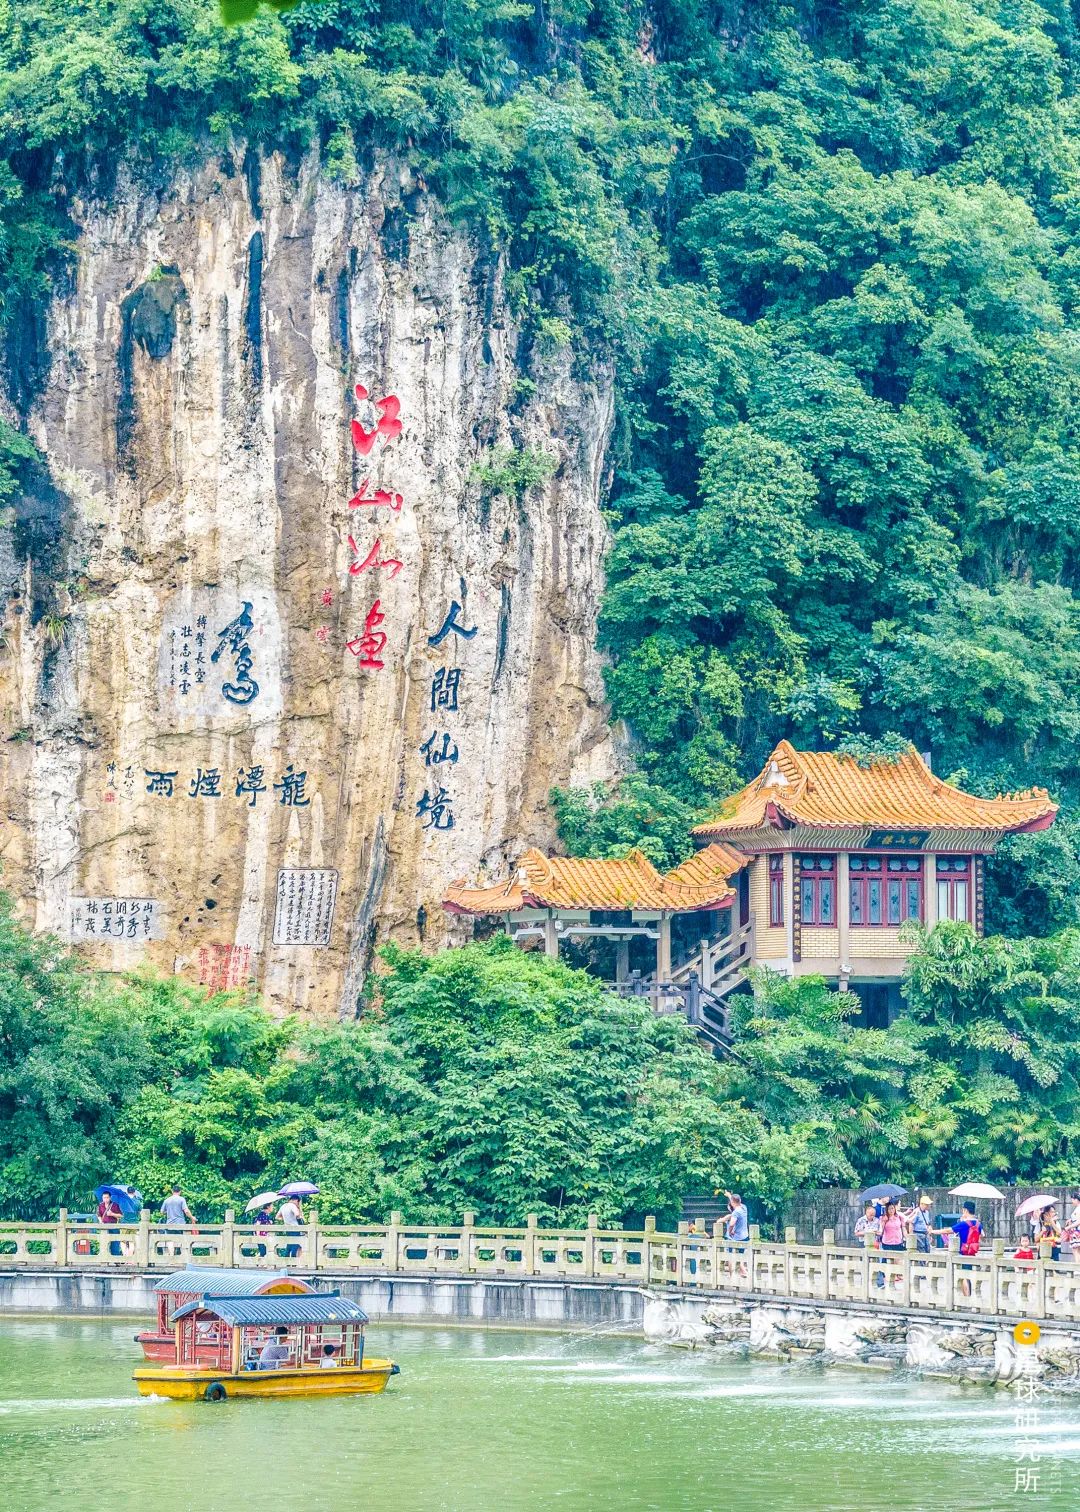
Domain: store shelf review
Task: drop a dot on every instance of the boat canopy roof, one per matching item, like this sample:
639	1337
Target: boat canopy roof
319	1307
225	1283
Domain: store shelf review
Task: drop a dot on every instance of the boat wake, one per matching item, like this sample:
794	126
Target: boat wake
68	1404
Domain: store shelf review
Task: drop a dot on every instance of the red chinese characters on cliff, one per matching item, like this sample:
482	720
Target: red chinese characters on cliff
369	645
388	425
223	968
372	560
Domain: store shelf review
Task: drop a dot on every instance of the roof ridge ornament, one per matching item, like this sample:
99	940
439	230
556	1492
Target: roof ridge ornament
773	776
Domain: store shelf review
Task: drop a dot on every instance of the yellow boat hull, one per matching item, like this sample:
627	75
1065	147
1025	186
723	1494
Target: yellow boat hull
182	1385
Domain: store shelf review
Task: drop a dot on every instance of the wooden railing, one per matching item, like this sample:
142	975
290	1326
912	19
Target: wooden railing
720	965
986	1285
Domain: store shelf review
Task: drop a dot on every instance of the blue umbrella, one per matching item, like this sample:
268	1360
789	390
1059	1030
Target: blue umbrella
127	1199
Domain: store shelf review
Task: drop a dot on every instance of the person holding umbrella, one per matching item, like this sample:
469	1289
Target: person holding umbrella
1041	1203
1050	1230
262	1206
291	1214
115	1204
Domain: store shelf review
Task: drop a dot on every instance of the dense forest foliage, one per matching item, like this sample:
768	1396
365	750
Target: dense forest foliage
832	251
504	1083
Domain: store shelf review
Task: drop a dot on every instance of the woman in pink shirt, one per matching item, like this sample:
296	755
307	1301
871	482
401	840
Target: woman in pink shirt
892	1229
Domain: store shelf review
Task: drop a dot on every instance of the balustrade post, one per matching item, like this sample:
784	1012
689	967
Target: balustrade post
393	1241
996	1249
225	1240
528	1247
790	1239
649	1229
60	1239
465	1252
828	1242
706	966
311	1238
588	1251
142	1240
1039	1310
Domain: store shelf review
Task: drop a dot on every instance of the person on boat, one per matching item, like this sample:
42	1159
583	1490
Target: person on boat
328	1361
275	1352
291	1216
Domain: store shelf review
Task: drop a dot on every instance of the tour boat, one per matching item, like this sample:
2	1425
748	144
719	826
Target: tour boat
181	1287
269	1346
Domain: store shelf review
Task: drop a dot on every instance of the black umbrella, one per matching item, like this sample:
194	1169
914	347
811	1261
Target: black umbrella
882	1192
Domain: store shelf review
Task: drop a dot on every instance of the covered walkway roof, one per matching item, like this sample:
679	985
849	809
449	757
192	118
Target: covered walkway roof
633	882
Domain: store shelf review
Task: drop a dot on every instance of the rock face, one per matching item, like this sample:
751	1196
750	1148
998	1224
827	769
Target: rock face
252	728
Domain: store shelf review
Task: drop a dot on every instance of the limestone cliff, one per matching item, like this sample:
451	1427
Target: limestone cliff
205	767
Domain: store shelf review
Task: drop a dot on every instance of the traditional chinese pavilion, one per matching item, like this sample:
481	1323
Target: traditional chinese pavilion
814	867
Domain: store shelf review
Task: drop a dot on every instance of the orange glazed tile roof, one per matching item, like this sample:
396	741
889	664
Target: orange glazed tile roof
820	788
632	882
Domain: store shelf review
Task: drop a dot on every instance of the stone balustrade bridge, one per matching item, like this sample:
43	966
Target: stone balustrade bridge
987	1286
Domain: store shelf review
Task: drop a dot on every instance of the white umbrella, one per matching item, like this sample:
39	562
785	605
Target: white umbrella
1036	1204
977	1189
264	1199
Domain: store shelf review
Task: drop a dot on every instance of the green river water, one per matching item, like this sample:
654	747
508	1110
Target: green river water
483	1419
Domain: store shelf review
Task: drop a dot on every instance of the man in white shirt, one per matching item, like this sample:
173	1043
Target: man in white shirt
290	1216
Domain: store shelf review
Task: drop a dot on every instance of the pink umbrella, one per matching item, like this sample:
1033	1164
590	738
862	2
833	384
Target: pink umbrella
1036	1204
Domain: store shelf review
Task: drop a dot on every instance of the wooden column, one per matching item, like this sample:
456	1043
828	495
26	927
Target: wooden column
843	914
930	917
622	960
663	948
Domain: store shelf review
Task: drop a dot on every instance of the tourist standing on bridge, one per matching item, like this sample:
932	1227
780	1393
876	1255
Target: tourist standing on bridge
176	1213
892	1228
291	1216
737	1221
867	1227
918	1221
1050	1231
